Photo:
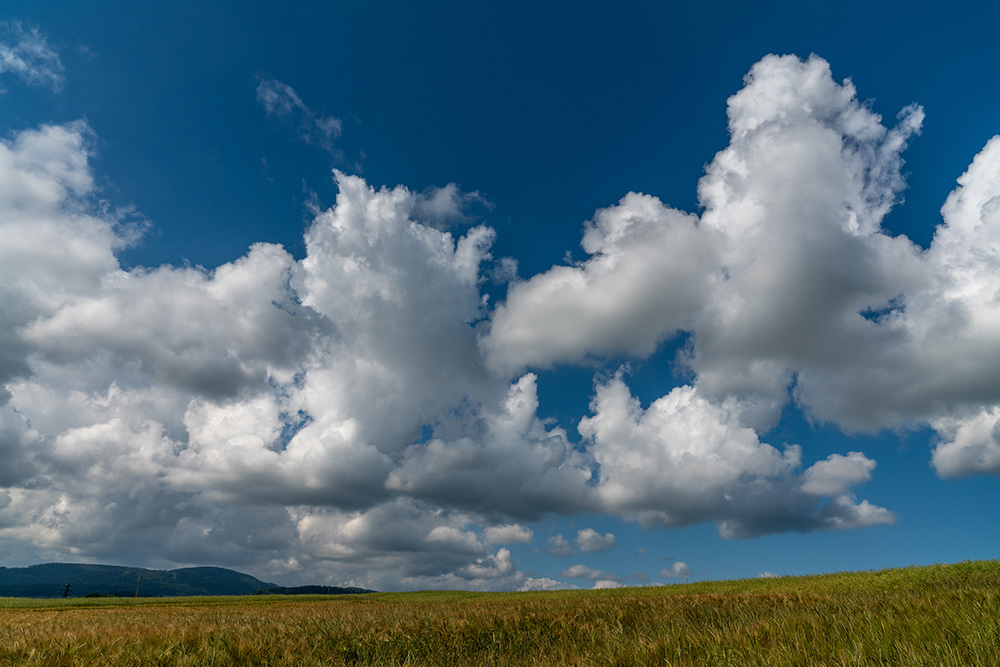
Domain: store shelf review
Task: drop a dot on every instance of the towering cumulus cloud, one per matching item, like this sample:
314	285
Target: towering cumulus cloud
364	415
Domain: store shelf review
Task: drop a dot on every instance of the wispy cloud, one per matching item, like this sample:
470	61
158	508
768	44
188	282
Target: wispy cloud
281	100
28	56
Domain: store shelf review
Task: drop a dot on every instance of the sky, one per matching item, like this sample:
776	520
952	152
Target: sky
499	296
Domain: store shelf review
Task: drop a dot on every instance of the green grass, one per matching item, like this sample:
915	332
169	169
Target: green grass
938	615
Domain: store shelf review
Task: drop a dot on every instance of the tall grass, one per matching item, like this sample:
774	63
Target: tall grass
940	615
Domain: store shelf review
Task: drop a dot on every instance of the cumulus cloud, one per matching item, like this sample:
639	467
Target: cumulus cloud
515	464
514	533
968	445
679	570
875	331
404	544
545	584
558	545
281	100
648	271
363	414
836	474
589	540
28	56
55	248
798	292
209	407
685	460
582	572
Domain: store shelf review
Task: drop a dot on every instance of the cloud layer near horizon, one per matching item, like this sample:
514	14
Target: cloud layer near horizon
364	412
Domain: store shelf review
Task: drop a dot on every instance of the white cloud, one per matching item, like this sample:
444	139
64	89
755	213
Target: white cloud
514	533
545	584
558	546
357	413
27	55
685	460
679	570
606	583
796	200
647	274
491	566
403	544
876	332
582	572
794	281
514	464
767	575
589	540
200	406
455	539
968	446
784	267
836	474
53	250
212	334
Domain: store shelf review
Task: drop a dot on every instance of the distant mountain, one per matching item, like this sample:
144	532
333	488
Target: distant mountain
49	581
313	590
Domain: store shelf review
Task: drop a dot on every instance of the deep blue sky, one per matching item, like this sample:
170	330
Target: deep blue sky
549	111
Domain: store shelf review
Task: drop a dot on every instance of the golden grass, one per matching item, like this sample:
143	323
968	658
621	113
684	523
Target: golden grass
940	615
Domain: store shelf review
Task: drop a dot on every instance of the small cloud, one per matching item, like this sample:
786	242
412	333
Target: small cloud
443	207
678	570
455	539
582	572
545	584
489	567
590	541
27	55
504	270
558	546
281	100
514	533
605	583
767	575
836	474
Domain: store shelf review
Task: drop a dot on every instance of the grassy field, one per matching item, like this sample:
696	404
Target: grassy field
938	615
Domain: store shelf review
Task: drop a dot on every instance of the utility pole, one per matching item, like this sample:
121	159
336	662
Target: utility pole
66	591
137	586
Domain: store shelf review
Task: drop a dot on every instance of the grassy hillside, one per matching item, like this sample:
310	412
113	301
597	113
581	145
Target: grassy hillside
939	615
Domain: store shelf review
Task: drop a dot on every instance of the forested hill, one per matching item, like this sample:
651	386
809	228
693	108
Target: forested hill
49	581
314	590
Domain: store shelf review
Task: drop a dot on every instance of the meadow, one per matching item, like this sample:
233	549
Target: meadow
937	615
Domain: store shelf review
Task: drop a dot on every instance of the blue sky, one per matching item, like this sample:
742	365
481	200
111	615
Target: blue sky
515	296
